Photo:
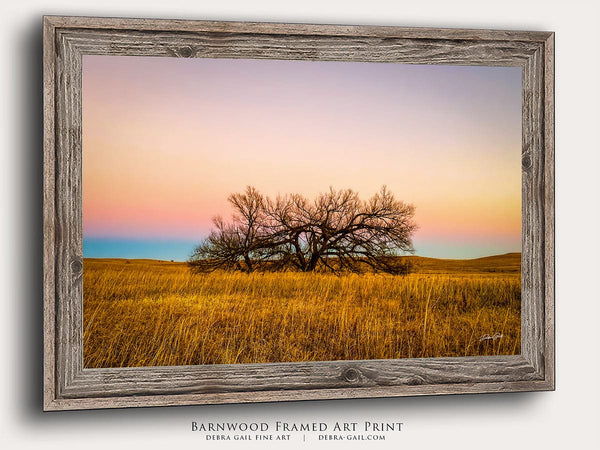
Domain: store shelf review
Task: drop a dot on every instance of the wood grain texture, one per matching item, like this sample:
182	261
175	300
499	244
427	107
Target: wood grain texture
289	29
326	48
533	235
299	376
548	255
294	395
67	385
48	217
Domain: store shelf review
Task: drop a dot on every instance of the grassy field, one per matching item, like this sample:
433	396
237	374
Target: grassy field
154	313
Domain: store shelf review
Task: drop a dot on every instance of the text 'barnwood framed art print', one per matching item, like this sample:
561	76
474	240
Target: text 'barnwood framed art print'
251	212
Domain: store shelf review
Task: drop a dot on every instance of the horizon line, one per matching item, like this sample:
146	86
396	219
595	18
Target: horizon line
402	256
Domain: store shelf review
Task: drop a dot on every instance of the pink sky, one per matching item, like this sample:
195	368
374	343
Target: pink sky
166	140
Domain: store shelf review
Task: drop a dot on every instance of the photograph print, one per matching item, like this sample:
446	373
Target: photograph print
243	211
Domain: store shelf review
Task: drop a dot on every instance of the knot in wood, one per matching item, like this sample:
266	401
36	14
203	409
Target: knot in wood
76	266
351	375
186	52
526	162
415	381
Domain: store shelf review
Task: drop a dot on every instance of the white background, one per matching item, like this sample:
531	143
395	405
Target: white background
561	419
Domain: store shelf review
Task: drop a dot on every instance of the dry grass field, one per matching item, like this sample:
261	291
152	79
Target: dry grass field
155	313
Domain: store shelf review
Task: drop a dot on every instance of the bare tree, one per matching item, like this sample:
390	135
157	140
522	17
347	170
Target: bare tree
336	232
230	244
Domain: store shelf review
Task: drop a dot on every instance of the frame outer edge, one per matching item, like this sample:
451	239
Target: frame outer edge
549	253
163	400
49	58
52	24
381	31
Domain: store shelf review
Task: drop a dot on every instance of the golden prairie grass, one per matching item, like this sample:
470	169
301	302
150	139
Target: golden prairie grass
151	313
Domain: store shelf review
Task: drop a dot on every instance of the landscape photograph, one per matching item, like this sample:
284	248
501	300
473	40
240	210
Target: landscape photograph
241	211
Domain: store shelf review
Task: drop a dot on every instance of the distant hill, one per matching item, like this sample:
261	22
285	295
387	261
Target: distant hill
507	263
128	264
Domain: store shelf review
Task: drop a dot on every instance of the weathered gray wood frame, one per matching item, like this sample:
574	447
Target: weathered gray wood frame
67	385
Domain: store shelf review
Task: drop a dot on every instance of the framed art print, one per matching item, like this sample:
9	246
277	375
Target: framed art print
250	212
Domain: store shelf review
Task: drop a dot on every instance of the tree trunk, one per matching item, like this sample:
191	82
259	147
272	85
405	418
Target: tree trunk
299	255
248	262
312	263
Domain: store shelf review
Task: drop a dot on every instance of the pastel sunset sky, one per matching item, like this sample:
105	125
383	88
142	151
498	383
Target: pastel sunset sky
166	140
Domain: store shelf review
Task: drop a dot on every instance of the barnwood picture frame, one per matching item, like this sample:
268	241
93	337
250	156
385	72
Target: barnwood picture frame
68	385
